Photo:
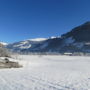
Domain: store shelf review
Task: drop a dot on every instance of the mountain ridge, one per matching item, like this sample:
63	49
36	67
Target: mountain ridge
76	40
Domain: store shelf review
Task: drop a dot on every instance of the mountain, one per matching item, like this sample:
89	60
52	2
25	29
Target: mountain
76	40
80	33
26	44
81	38
3	44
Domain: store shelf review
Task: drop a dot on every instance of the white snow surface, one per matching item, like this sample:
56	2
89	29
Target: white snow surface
38	39
3	43
47	73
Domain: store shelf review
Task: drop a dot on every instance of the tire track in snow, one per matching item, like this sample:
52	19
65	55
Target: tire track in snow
4	83
47	84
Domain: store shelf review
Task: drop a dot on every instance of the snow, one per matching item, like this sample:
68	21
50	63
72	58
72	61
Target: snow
53	37
47	73
21	44
79	45
25	47
38	39
26	44
69	40
3	43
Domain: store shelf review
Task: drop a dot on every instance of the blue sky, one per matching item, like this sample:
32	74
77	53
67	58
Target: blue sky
24	19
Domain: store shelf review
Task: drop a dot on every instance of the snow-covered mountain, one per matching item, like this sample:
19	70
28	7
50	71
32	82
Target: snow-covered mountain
76	40
38	39
26	44
3	43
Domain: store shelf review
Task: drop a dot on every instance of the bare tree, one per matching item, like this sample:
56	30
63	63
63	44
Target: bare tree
4	52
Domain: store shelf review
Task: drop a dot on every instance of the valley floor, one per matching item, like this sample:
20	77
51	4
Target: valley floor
48	73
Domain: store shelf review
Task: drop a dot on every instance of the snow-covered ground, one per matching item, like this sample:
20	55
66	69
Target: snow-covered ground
48	73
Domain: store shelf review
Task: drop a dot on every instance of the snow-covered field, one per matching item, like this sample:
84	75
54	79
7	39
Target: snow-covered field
48	73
